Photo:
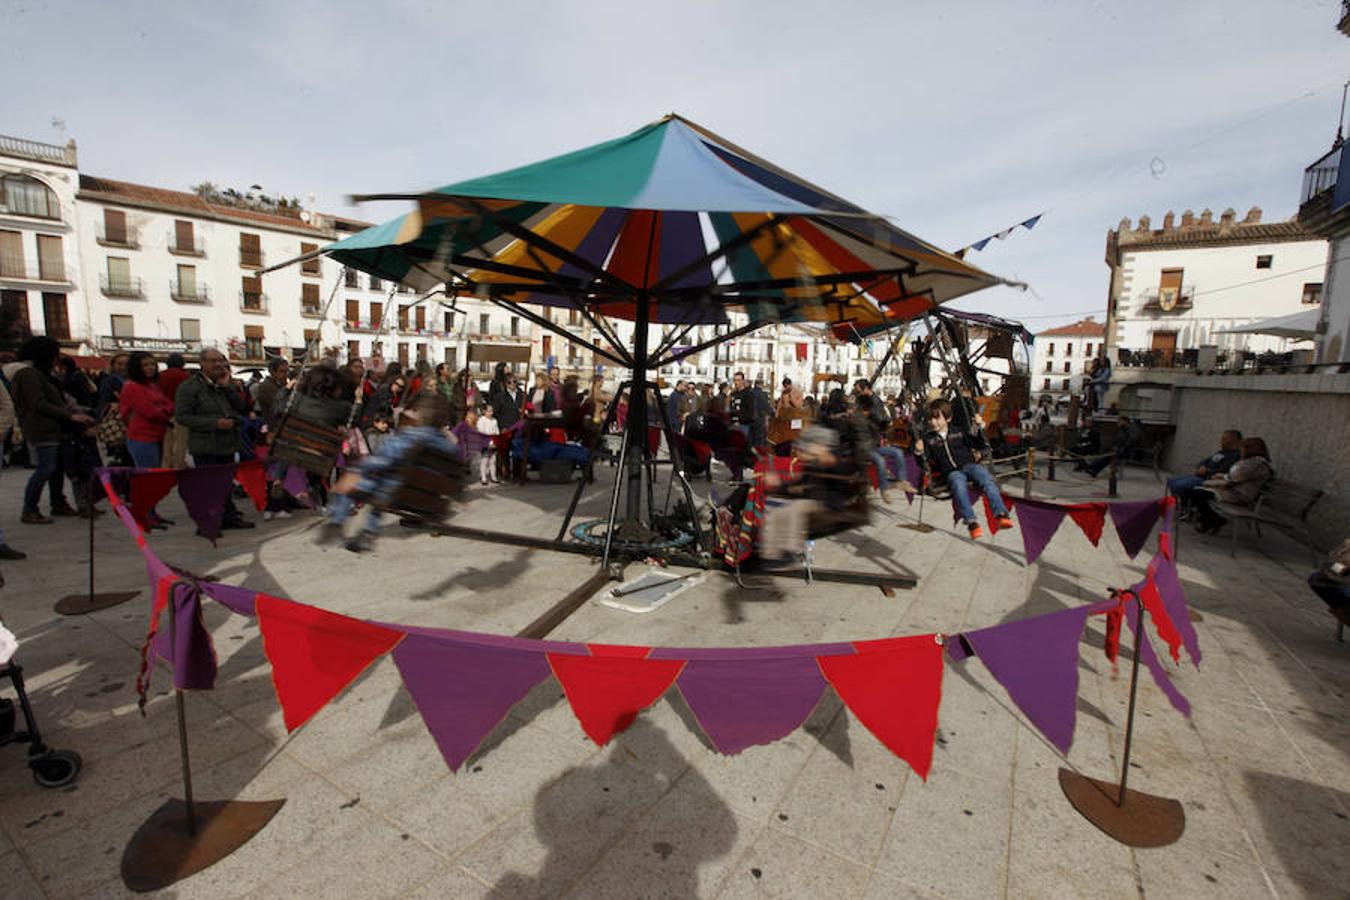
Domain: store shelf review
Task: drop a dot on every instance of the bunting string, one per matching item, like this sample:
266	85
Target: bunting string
1003	235
464	683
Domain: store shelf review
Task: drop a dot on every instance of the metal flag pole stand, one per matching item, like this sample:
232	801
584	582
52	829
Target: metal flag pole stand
80	604
183	837
1132	817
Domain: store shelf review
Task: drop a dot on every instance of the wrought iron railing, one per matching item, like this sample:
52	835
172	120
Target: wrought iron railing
253	301
1320	176
189	293
127	287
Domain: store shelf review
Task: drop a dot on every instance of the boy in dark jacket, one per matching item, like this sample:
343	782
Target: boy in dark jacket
952	458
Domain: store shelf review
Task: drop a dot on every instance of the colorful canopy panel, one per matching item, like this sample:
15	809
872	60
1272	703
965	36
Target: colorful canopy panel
674	213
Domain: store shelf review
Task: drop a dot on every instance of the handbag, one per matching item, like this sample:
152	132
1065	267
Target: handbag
112	430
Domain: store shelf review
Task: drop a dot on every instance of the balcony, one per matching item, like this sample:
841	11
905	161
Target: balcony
250	259
311	268
1320	176
253	302
126	239
128	288
16	268
1184	301
149	344
311	312
192	247
189	293
359	327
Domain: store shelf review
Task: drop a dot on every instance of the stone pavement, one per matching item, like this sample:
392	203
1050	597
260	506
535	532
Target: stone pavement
371	811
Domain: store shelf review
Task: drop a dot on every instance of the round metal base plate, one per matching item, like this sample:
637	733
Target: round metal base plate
80	604
163	852
1143	820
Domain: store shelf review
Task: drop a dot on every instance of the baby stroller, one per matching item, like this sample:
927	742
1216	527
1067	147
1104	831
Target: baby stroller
51	768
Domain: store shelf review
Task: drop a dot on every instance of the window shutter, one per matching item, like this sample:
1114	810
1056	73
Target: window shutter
182	236
51	259
114	226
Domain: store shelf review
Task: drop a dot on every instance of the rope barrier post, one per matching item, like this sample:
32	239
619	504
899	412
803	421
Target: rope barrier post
81	604
1050	475
1031	471
1112	482
1131	817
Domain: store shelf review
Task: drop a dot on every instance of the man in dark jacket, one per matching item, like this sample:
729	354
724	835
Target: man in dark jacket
506	398
1217	463
1129	437
951	457
205	406
44	418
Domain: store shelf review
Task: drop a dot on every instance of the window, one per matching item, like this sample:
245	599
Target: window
250	251
421	318
119	276
353	313
309	297
376	284
253	342
449	322
184	241
1049	366
450	358
482	367
1264	261
1050	349
349	278
51	258
1087	351
403	318
1046	385
190	329
310	266
421	352
11	255
24	195
1169	287
55	318
14	307
482	323
1065	386
376	315
1066	368
1312	292
251	295
311	343
515	326
403	355
123	326
574	317
115	227
353	350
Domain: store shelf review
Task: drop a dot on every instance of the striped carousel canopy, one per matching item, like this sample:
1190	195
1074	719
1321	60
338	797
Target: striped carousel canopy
671	212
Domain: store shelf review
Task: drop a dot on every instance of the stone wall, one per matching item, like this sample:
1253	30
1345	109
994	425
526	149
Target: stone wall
1304	419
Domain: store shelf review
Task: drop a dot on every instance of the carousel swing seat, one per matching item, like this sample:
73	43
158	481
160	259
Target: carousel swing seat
420	488
309	445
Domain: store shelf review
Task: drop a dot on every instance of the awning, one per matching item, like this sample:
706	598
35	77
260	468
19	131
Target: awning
1299	326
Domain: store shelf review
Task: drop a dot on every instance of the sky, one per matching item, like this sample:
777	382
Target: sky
956	120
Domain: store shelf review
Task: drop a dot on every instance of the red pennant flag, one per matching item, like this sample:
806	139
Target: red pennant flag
163	591
608	689
147	489
1091	517
315	653
893	686
989	512
1162	621
251	479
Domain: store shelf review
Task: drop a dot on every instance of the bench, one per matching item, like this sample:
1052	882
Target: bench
1283	504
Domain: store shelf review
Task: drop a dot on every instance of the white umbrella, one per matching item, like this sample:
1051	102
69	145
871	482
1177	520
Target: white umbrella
1299	326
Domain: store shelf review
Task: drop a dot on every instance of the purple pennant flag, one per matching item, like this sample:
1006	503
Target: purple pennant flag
1038	522
186	644
1168	582
1155	666
241	601
1134	522
1036	661
295	483
740	703
206	491
462	690
913	474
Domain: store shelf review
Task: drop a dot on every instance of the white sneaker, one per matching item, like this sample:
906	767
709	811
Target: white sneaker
268	515
283	514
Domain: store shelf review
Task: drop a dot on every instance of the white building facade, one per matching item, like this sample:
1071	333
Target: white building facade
1062	356
1181	287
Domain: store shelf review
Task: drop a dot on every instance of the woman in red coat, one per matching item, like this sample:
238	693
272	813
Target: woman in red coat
147	412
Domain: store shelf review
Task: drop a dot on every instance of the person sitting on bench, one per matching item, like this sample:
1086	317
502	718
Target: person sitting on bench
377	475
952	458
1217	463
1128	438
1239	487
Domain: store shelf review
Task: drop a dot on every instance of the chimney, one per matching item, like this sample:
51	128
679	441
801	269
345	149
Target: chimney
1169	221
1253	216
1227	218
1145	225
1124	225
1206	218
1188	219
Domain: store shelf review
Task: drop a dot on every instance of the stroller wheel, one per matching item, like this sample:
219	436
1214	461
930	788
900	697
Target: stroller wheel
56	768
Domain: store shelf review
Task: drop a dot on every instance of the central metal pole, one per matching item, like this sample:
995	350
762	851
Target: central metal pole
189	805
91	540
1134	689
637	412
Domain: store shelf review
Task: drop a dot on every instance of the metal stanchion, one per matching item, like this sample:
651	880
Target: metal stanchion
1131	817
80	604
1112	479
1031	471
183	837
